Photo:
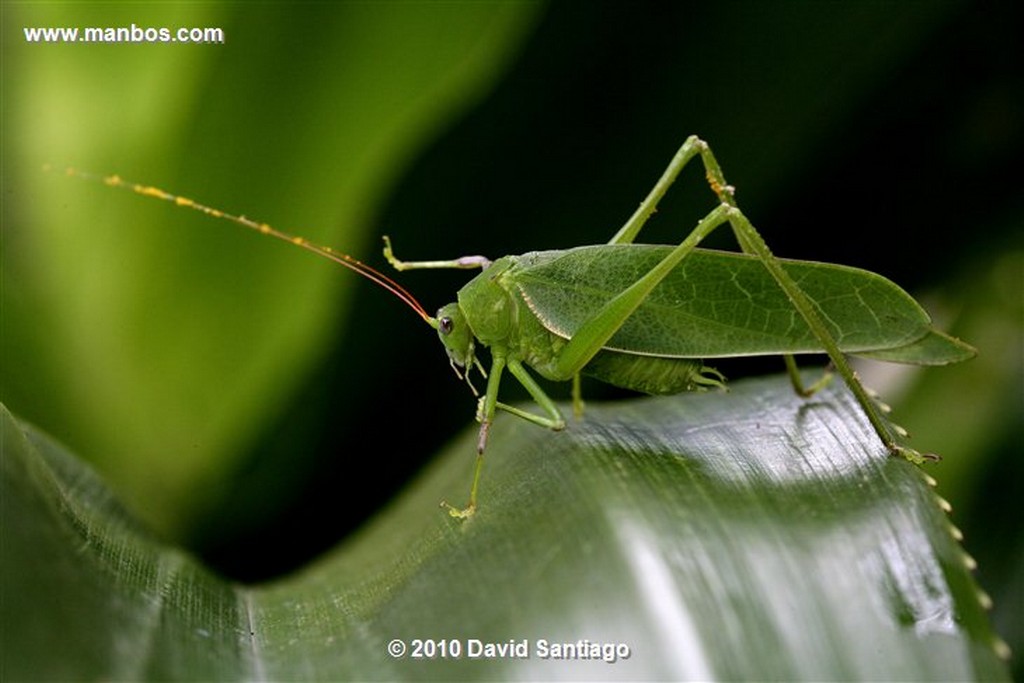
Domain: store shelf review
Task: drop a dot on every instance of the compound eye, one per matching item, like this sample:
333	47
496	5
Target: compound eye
445	324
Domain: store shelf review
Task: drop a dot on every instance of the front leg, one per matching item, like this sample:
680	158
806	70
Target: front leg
461	263
488	405
485	414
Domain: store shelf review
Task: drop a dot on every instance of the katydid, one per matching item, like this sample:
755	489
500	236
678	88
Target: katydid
643	317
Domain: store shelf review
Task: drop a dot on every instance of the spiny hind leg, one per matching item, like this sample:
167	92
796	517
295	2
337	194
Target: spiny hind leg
752	243
692	147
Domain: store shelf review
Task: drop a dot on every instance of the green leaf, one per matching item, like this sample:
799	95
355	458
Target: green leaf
737	535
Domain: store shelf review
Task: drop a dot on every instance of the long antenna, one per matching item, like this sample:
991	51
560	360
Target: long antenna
264	229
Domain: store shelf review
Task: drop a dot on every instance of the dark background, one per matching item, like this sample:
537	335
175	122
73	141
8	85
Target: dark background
885	137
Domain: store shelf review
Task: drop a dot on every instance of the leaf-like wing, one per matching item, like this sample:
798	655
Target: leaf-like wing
935	348
716	303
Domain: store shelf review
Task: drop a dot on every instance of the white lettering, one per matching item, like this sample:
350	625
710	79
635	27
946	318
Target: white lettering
132	33
583	649
511	649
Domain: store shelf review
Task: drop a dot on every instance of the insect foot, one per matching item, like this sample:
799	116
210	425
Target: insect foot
459	513
913	456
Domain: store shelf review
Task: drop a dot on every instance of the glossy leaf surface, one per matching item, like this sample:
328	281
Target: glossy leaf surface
741	535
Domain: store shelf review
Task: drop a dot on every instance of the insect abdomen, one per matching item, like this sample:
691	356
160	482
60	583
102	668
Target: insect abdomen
652	374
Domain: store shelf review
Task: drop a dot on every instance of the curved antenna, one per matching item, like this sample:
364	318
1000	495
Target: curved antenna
265	229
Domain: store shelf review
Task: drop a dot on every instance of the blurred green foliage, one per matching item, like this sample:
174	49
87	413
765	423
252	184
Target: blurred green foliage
234	389
303	116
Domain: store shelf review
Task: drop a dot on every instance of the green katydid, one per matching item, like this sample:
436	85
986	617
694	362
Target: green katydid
643	316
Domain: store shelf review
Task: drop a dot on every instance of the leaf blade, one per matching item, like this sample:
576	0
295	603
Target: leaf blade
720	535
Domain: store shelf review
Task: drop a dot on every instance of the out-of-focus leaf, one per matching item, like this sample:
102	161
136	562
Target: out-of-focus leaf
157	340
737	535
